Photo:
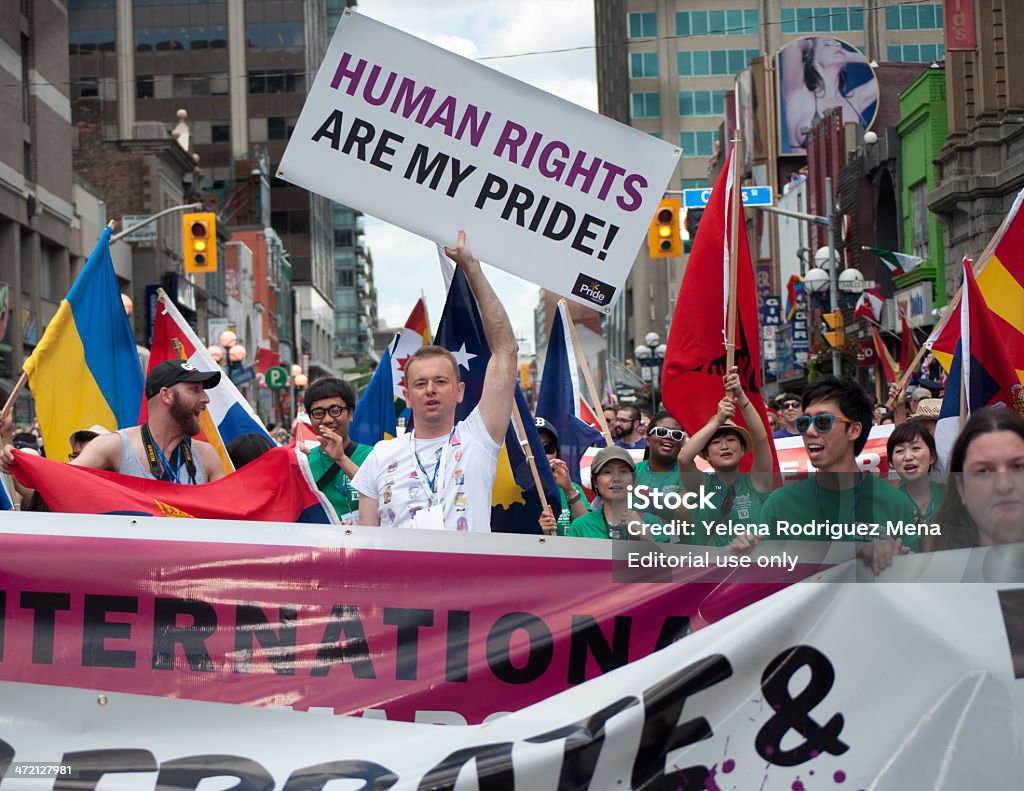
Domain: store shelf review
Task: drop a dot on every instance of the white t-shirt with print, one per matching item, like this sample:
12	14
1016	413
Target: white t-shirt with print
466	471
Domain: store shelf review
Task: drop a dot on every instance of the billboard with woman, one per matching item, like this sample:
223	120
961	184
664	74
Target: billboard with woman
816	74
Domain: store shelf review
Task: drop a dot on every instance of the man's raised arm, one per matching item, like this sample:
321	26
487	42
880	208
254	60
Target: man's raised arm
498	395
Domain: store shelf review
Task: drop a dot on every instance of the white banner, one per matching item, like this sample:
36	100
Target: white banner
821	686
433	142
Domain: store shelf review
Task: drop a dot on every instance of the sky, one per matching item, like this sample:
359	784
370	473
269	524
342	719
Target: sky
405	264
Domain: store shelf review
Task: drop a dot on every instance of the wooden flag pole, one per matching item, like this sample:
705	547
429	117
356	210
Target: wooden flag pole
905	376
581	361
730	321
9	406
517	420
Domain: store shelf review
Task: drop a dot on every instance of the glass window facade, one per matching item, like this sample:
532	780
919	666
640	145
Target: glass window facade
734	22
645	105
703	63
643	64
823	19
643	25
697	144
701	102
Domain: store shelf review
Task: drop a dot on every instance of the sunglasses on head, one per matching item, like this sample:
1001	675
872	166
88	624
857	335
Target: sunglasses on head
662	431
822	423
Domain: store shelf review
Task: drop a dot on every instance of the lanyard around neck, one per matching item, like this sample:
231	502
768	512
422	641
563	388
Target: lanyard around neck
432	484
159	466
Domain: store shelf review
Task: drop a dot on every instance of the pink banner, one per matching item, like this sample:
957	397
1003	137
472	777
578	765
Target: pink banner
447	636
960	35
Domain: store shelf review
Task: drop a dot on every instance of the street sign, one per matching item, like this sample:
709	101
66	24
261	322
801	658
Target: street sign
752	196
276	377
856	285
145	236
242	375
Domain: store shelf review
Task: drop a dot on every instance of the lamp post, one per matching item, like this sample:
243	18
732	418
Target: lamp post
651	356
299	381
228	351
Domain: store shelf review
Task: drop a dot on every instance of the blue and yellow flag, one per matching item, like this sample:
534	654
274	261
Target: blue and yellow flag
85	371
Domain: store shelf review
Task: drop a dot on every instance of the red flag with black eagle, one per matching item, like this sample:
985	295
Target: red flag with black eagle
276	487
696	355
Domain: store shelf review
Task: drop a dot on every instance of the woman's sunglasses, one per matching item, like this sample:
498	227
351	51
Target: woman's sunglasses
822	423
662	432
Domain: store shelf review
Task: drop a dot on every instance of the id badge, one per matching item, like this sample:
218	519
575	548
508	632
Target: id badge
431	518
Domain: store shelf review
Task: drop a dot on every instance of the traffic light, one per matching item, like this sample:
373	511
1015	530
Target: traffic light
691	222
834	322
199	231
663	240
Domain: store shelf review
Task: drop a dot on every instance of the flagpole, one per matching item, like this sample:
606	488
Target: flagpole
730	325
963	395
517	420
581	361
905	376
23	379
9	406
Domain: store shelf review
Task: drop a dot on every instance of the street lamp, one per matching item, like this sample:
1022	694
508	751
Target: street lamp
651	356
229	353
299	381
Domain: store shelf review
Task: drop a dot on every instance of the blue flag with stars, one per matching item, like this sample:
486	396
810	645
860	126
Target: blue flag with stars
515	506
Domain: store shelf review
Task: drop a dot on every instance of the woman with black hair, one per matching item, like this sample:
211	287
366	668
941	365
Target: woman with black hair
911	454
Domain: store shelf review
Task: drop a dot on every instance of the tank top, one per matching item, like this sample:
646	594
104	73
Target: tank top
132	465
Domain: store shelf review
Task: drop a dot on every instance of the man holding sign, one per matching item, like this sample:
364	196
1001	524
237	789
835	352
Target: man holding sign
439	476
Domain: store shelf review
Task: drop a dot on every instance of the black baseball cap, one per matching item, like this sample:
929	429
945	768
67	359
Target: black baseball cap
544	425
170	372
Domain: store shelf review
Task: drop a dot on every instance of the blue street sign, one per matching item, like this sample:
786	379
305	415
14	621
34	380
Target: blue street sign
752	196
241	375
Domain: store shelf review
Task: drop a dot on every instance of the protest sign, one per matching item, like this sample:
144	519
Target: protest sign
818	687
433	142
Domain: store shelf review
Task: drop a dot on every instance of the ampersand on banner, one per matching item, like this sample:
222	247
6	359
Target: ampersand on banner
792	713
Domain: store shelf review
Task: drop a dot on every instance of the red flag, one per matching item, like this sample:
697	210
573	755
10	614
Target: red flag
908	350
695	358
884	358
277	487
266	358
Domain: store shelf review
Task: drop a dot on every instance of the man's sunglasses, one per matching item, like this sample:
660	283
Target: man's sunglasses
661	431
334	411
790	405
822	423
550	447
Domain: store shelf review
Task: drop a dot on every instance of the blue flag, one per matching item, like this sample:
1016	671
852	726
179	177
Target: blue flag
6	503
559	399
374	417
515	506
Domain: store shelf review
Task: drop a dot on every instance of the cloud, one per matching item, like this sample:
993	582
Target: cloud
405	264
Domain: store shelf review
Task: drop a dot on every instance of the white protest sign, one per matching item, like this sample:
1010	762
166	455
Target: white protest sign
831	686
433	142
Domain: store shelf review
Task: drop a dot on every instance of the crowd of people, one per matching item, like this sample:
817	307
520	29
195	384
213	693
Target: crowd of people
440	474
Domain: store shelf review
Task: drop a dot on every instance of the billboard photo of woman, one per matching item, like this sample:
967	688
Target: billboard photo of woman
815	75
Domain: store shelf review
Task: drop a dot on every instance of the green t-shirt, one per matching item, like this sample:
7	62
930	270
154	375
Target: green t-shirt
664	482
339	491
565	518
938	492
872	501
592	525
747	504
